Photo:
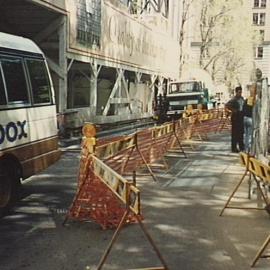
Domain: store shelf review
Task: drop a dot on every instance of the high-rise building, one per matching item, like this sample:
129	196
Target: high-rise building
260	19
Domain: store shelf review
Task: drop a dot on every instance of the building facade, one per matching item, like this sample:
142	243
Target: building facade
260	19
108	58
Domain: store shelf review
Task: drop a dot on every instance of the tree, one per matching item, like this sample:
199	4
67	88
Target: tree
227	39
186	4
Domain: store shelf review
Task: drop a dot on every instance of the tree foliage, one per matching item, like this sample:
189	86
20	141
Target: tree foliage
226	39
185	8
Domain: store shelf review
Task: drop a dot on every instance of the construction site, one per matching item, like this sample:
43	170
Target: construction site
108	160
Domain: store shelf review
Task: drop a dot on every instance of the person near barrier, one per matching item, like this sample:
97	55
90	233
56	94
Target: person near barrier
165	106
162	108
235	105
247	112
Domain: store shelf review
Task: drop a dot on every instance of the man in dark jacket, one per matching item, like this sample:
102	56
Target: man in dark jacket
235	105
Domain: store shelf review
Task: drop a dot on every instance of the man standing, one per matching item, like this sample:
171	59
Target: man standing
235	105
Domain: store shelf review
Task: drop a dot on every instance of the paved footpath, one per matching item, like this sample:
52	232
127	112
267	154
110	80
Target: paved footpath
181	212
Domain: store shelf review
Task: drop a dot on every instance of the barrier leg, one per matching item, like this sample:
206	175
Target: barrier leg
115	235
260	252
249	186
260	189
195	132
149	238
179	144
187	134
234	191
147	166
127	160
164	150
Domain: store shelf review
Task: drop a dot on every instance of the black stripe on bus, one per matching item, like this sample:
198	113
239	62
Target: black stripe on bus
21	53
25	106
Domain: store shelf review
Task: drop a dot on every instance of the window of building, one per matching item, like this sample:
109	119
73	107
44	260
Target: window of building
263	3
262	19
259	18
259	3
256	3
255	18
258	52
89	22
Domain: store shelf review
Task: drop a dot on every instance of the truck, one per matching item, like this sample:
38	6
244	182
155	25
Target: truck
182	94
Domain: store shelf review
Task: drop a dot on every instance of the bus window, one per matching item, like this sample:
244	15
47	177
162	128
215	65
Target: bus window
15	80
39	81
2	92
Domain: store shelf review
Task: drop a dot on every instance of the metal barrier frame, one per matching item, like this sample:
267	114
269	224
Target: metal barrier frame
252	167
260	173
94	159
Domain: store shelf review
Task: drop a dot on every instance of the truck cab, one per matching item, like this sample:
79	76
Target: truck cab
185	93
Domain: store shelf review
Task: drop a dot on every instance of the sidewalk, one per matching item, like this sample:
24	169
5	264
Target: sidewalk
181	212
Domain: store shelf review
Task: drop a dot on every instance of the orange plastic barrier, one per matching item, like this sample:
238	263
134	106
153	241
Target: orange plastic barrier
105	196
211	121
124	155
94	200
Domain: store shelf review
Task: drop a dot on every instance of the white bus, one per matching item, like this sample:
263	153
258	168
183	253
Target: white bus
28	127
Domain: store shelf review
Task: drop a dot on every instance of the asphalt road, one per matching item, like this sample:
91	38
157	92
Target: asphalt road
181	213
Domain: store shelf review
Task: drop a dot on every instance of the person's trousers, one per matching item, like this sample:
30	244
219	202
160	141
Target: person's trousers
247	132
237	134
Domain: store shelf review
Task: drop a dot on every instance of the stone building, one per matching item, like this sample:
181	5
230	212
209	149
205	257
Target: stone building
260	19
108	58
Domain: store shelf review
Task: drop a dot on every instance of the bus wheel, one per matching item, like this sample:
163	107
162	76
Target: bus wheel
9	185
5	188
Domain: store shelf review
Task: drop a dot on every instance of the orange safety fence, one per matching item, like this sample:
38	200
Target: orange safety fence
94	200
210	121
125	154
162	141
104	195
142	148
